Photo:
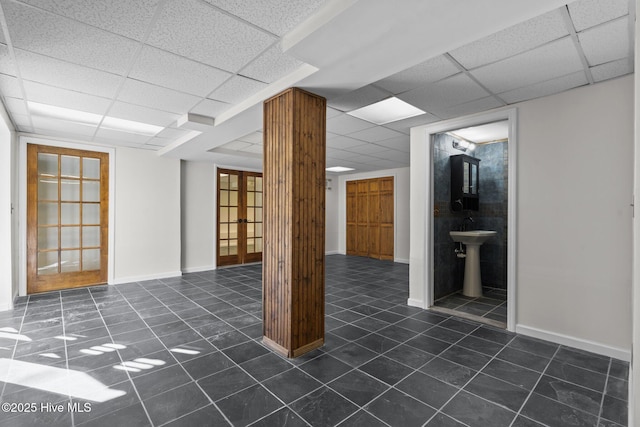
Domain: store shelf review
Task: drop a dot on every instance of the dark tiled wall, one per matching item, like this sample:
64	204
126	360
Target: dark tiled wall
448	269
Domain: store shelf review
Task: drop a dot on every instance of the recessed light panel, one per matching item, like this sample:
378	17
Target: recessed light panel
339	169
386	111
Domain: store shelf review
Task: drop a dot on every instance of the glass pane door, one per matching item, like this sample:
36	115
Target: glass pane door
239	217
67	216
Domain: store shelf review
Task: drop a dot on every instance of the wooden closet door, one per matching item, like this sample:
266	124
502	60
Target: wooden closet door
362	219
352	219
386	218
373	214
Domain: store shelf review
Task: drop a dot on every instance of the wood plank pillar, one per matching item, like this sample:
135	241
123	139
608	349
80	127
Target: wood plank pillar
294	222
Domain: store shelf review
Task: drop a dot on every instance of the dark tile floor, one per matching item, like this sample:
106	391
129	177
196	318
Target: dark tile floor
491	305
187	352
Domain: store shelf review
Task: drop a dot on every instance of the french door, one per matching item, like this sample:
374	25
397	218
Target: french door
239	217
67	218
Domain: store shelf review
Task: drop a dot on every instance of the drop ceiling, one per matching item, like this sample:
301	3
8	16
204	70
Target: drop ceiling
154	61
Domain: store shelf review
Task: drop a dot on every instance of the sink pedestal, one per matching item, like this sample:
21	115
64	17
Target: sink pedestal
472	286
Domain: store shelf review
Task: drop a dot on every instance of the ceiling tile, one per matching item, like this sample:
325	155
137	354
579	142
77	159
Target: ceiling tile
157	141
15	106
42	32
62	127
420	75
343	142
116	135
588	13
254	148
367	148
271	65
210	108
7	65
444	93
393	155
50	71
511	41
405	125
253	138
198	31
148	95
612	69
331	112
345	124
401	143
237	89
375	134
141	114
236	145
545	88
38	92
552	60
123	17
275	16
366	95
175	72
606	42
474	106
22	121
9	86
172	133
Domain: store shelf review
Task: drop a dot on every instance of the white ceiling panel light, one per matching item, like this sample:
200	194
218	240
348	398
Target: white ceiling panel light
389	110
339	169
82	117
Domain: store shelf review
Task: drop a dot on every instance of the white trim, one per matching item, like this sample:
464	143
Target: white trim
22	201
332	253
401	261
416	303
421	246
198	269
579	343
167	275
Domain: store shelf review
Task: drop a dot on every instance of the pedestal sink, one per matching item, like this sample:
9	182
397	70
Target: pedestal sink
472	286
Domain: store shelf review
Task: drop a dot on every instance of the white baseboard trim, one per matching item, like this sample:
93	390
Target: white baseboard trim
579	343
412	302
401	260
198	269
332	253
165	275
6	307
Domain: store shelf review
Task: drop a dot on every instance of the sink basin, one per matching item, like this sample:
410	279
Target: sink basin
472	286
474	237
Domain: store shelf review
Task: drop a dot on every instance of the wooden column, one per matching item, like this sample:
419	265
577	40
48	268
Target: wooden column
294	230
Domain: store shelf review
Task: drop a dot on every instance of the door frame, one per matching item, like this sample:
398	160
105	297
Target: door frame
421	207
22	202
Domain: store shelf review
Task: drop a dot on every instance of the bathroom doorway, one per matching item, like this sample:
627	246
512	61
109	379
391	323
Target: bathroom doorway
470	199
425	209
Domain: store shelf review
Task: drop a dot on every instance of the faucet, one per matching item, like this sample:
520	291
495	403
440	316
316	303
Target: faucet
463	226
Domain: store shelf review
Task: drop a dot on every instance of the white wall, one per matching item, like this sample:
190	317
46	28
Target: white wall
198	216
7	179
401	216
574	219
634	377
147	215
331	245
574	185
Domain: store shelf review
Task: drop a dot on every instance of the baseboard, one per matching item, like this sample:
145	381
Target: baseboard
401	260
332	252
198	269
6	307
412	302
164	275
594	347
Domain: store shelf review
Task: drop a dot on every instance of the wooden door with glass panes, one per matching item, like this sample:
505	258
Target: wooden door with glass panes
239	217
67	218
